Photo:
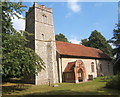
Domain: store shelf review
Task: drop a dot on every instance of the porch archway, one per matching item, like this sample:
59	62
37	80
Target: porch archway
80	71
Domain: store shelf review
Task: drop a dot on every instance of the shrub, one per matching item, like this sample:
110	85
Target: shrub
114	83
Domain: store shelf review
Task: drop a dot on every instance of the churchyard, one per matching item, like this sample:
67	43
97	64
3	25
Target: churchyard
94	87
23	59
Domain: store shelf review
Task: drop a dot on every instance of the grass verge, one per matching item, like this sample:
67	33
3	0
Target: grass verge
95	87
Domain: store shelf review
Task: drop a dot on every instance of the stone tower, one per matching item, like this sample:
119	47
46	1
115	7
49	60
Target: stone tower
39	21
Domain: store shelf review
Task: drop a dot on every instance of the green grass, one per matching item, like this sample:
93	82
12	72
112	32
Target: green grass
95	87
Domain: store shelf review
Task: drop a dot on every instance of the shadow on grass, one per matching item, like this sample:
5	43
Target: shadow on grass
12	80
64	93
14	88
111	90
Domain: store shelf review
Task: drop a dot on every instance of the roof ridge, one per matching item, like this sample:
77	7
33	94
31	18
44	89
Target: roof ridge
70	43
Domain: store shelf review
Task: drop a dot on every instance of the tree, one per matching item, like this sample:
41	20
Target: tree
17	58
9	11
116	39
116	42
61	37
96	40
85	42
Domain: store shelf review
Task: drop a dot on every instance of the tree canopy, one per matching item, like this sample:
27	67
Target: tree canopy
17	58
85	42
9	11
116	39
96	40
116	42
61	37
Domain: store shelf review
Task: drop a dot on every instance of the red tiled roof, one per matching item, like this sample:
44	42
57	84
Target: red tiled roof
69	67
64	48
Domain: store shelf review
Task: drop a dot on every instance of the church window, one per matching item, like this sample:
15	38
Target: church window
92	67
44	19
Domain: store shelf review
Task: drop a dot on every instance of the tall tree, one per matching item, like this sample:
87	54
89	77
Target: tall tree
116	42
9	11
61	37
96	40
85	42
17	58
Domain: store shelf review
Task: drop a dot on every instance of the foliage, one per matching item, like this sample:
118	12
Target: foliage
96	40
11	42
116	39
106	78
117	35
17	58
114	83
9	10
61	37
116	42
85	42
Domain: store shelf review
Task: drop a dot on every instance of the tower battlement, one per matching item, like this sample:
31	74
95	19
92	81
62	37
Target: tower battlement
42	7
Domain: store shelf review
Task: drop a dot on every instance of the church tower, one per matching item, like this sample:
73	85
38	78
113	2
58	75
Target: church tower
39	21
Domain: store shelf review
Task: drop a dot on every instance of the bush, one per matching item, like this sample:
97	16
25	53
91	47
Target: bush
114	83
106	78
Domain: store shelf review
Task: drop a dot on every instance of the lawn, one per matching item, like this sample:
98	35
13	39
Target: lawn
95	87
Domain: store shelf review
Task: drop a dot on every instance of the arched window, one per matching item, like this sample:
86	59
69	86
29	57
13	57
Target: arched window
92	67
44	19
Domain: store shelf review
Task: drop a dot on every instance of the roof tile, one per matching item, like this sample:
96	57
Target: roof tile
70	49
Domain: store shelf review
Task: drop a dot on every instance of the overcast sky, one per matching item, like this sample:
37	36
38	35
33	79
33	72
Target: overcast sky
76	20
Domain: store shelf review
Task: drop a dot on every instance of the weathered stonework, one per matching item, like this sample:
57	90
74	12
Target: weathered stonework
43	41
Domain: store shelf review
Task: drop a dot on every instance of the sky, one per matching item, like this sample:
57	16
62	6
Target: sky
76	20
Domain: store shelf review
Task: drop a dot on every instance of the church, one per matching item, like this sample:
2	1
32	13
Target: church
64	62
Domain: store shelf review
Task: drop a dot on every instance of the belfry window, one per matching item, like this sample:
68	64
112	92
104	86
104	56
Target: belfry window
92	67
44	19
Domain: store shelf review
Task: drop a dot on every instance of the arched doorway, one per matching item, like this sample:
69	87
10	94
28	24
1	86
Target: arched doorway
80	71
80	75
